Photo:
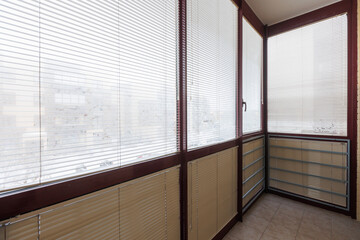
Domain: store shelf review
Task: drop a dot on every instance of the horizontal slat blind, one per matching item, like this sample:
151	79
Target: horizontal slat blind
19	94
148	63
144	208
211	71
307	79
85	86
79	79
252	78
212	193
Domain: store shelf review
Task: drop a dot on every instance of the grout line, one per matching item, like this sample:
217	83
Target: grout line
271	220
302	219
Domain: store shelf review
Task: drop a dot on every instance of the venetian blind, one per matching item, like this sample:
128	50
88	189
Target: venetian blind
307	79
252	78
211	71
85	86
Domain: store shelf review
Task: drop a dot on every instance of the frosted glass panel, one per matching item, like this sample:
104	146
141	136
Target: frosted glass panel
252	78
211	72
307	79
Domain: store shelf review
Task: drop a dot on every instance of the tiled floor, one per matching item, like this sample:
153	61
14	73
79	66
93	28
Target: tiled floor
273	217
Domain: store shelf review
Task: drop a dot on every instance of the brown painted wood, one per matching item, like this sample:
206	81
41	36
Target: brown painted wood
352	102
311	17
182	121
205	151
252	18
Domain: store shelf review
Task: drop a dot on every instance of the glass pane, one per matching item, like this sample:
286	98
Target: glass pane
211	72
307	79
252	78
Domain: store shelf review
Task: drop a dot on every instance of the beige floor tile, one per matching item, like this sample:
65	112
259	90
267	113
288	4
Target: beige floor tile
242	232
257	222
276	218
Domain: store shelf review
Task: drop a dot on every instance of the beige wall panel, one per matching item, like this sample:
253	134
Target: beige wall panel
258	153
316	182
322	196
192	200
258	142
318	170
338	200
207	211
247	147
338	160
24	230
289	177
289	165
290	188
339	173
251	195
248	159
319	157
212	193
173	204
338	187
91	218
288	153
225	187
142	209
287	142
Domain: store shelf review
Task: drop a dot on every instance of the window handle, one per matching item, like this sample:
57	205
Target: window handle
244	103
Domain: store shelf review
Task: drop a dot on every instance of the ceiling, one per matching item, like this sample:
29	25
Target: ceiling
274	11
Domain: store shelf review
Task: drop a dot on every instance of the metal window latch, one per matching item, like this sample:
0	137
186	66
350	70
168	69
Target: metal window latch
244	103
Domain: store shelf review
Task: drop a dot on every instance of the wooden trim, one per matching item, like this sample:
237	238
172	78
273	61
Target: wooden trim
251	135
27	200
265	110
307	135
352	102
182	118
227	228
252	18
205	151
311	17
239	113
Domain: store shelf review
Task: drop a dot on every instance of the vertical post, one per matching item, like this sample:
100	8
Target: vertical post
182	120
352	102
265	103
239	109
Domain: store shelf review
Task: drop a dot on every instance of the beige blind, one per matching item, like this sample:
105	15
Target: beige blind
227	186
253	169
26	229
212	193
145	208
314	169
